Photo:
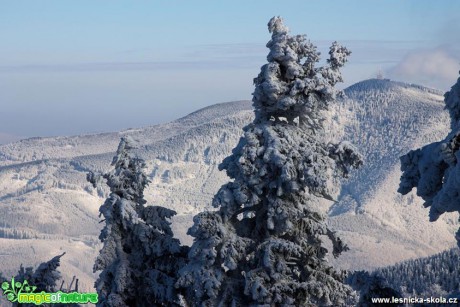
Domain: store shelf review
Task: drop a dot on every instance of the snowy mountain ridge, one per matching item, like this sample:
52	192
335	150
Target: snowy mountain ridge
386	120
47	206
62	147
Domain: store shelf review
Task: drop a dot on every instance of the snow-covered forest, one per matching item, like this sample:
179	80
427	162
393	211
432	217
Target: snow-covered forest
438	275
293	199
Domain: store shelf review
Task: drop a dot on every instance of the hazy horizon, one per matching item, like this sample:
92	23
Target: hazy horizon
70	68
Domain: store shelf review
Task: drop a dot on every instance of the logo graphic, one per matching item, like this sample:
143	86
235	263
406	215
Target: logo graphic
16	291
13	290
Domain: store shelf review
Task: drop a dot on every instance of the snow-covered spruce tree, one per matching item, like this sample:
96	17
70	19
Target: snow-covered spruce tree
264	244
46	275
435	169
371	285
45	278
140	258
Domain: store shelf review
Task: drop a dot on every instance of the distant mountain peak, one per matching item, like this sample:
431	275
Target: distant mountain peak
216	111
387	84
384	118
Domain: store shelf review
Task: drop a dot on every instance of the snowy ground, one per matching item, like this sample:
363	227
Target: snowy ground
47	206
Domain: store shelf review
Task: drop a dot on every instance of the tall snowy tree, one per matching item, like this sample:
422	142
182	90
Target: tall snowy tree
263	246
434	169
140	257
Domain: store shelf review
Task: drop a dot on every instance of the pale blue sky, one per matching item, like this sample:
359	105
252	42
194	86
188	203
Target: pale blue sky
72	67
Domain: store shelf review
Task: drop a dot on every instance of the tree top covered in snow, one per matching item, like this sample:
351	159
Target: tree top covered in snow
290	85
263	247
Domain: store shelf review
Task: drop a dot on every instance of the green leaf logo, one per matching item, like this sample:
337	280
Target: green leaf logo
14	288
10	297
5	286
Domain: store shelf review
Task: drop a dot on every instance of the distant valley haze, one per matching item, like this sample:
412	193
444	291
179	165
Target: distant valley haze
81	67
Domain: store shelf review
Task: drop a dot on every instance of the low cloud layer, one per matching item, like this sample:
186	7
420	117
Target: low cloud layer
438	68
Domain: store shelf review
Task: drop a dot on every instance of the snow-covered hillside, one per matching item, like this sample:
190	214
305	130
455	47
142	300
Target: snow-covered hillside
433	276
47	206
385	120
